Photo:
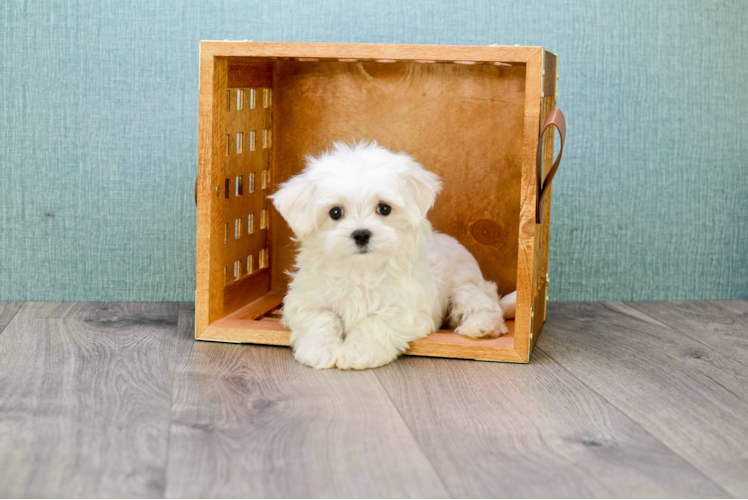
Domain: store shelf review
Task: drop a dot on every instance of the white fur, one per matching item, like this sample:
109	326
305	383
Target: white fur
359	310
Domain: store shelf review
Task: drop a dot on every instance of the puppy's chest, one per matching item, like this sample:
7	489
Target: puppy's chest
357	302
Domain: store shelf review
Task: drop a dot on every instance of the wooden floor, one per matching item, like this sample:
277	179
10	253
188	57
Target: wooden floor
619	400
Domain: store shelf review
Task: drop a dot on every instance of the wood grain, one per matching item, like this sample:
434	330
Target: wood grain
211	171
257	308
531	431
84	399
528	194
7	311
739	308
638	409
543	230
718	325
550	70
249	421
692	397
369	51
441	344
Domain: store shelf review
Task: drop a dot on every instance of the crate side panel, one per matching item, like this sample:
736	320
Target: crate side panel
211	167
248	139
371	51
526	254
538	319
246	197
543	230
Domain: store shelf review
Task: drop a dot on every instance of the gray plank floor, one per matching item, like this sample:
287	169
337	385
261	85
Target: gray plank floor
620	400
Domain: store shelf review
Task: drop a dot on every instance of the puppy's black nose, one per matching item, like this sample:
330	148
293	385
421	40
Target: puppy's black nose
361	237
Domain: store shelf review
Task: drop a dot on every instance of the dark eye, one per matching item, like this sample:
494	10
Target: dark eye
384	209
336	213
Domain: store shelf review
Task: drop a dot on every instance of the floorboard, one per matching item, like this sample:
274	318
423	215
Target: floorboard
249	421
7	311
690	396
517	431
84	399
619	400
739	308
717	324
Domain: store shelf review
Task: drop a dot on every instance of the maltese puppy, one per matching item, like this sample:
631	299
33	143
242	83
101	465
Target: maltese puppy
371	275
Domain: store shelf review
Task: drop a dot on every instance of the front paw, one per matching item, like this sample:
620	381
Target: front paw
357	354
319	354
483	325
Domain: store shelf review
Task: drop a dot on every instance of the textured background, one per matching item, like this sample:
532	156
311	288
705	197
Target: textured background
98	144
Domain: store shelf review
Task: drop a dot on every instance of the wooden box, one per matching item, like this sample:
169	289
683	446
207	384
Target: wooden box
471	114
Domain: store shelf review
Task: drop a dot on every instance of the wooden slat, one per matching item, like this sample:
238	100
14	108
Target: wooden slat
534	431
249	421
243	74
538	315
690	396
211	174
85	399
542	238
249	288
721	325
526	254
443	344
550	62
370	51
447	344
274	218
258	308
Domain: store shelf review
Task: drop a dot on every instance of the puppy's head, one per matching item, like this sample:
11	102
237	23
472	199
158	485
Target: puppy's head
358	202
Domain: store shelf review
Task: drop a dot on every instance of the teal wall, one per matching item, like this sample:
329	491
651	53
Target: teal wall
98	144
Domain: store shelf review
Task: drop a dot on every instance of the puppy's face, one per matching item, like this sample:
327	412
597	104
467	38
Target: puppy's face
358	203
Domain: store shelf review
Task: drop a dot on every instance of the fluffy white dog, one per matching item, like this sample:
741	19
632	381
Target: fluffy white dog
371	275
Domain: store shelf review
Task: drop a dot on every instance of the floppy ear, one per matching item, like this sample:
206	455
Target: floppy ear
294	201
423	187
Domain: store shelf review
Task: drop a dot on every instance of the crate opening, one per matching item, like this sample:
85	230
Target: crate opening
464	122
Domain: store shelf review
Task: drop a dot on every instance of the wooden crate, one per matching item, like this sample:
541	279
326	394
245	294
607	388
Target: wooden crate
470	114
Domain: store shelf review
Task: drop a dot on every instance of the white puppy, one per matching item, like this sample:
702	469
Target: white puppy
371	275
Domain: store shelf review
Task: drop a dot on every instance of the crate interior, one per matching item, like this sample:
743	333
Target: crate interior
463	121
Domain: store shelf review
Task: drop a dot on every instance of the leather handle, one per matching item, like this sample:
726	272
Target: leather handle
195	191
555	119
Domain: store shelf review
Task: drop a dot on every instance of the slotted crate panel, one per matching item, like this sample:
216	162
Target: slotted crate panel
248	143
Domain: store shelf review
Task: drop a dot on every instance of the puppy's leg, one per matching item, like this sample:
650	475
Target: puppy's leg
373	342
508	304
475	308
316	337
